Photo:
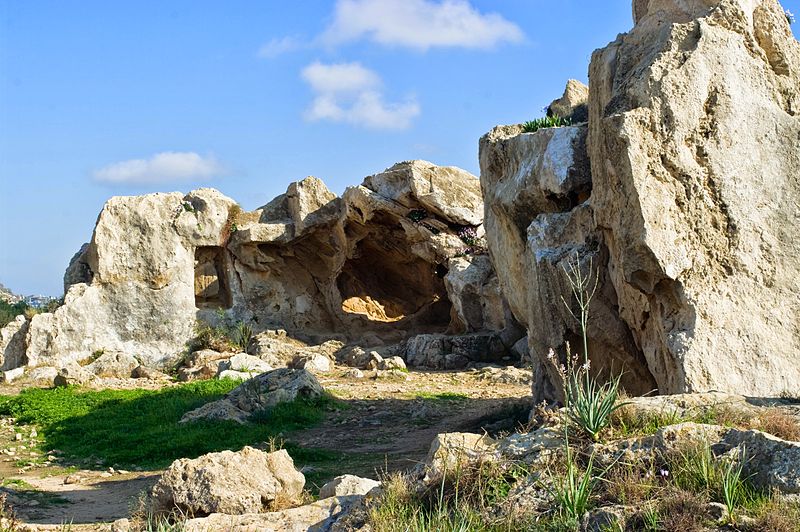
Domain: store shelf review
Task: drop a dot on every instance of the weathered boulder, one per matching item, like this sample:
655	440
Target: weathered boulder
573	105
478	302
12	343
113	364
313	362
448	192
319	516
73	375
768	461
662	195
143	372
440	351
259	393
247	481
347	485
244	363
78	271
390	363
694	141
452	451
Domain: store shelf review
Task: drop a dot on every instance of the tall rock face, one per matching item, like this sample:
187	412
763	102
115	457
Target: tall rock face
683	191
539	219
375	262
694	144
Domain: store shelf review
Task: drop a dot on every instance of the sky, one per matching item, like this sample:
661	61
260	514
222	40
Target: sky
99	99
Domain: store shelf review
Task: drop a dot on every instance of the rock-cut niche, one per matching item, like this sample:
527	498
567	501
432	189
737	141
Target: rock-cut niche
210	280
384	282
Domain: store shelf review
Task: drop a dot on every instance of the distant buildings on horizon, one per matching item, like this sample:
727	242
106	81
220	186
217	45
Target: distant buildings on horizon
34	301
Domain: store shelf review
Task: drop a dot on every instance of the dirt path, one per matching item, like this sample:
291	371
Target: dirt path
386	423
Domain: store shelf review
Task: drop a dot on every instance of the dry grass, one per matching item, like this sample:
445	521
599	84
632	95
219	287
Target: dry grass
778	423
630	483
684	511
629	421
464	500
775	514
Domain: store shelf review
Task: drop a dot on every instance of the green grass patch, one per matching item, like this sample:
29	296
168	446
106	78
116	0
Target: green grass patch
442	396
15	483
128	428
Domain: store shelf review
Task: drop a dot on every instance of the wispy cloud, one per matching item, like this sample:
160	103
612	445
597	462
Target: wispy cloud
419	24
351	93
164	167
279	46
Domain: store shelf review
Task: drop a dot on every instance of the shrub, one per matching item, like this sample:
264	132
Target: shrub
535	125
463	500
589	404
733	488
8	311
417	215
683	511
468	235
572	492
241	335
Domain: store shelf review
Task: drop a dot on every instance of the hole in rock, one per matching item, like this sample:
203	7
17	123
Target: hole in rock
210	281
384	282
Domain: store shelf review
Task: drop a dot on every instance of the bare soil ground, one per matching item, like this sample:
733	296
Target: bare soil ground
387	423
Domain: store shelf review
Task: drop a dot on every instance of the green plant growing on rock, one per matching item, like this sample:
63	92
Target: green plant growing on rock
417	215
572	492
242	334
532	126
733	487
589	404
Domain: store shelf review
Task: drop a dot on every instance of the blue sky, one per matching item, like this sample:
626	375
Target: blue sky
103	98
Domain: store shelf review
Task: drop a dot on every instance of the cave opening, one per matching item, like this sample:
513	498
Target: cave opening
384	282
210	279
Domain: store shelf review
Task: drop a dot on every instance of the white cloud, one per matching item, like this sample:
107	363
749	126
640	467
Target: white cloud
419	24
351	93
164	167
279	46
340	78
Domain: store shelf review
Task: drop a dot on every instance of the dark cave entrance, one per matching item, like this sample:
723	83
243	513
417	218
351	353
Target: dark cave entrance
210	278
384	282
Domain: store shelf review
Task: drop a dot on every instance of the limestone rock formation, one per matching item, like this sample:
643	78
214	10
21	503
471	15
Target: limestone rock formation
573	105
12	343
319	516
347	485
373	262
539	219
260	392
141	296
694	141
681	193
228	482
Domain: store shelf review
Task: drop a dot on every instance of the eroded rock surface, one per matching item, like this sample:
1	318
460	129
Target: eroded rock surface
539	219
695	151
247	481
12	343
681	191
313	265
259	393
